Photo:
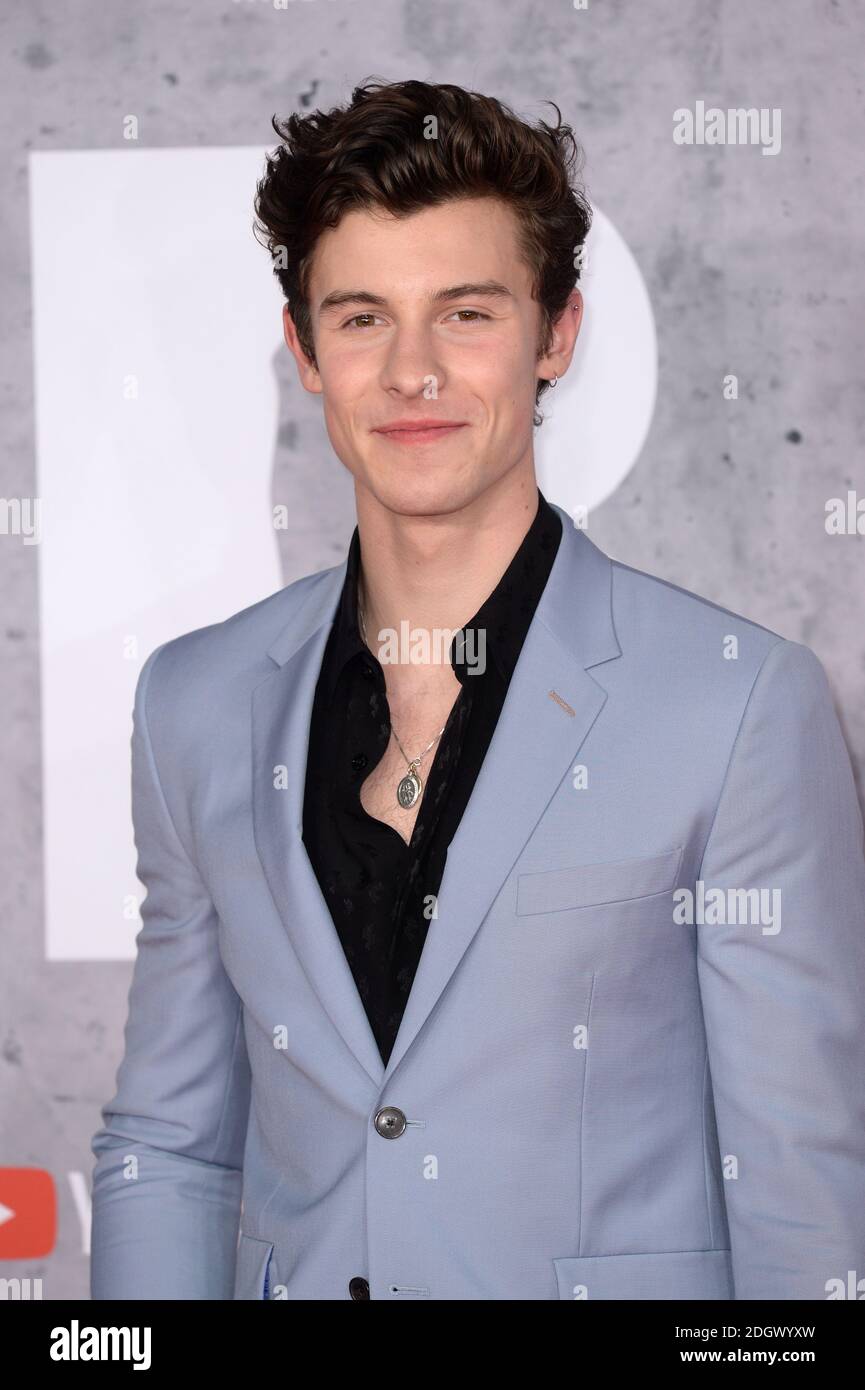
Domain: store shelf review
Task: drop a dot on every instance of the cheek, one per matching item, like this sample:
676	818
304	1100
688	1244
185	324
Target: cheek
339	370
496	370
346	382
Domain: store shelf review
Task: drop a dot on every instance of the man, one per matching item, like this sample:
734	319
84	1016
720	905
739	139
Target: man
534	971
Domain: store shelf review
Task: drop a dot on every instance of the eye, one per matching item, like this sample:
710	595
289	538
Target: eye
478	315
352	322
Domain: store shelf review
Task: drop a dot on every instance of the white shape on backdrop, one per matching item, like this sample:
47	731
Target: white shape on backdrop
156	506
599	413
156	510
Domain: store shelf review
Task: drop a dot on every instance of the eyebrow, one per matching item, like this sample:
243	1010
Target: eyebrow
487	289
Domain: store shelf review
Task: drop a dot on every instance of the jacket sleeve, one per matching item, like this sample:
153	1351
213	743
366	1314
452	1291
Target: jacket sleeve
167	1180
784	1000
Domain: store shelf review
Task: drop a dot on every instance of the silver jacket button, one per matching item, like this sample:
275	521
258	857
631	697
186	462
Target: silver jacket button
390	1122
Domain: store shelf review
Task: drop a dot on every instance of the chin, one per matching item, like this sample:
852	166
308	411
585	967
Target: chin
418	492
438	500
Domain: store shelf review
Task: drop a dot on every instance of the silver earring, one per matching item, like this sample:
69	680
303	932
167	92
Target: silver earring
554	380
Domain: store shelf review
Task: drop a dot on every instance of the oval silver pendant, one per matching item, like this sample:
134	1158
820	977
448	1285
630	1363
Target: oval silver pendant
408	790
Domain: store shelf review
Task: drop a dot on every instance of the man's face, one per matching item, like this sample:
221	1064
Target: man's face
427	318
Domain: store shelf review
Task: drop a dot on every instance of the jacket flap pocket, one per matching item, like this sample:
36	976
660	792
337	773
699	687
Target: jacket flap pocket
594	884
679	1274
253	1268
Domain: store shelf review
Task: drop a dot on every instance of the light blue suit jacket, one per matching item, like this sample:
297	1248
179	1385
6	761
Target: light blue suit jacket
602	1100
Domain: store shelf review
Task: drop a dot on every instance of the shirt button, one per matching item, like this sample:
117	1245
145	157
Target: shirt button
358	1287
390	1122
368	671
359	761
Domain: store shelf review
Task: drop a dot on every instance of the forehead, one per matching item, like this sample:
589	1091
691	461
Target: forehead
470	239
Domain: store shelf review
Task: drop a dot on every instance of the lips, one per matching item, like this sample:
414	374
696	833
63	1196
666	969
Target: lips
419	431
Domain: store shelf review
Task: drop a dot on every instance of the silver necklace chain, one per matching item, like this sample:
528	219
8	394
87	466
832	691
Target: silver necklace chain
410	786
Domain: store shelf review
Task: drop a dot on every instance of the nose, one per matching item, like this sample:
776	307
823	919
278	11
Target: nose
411	365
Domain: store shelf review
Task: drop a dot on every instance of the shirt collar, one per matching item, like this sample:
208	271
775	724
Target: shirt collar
500	624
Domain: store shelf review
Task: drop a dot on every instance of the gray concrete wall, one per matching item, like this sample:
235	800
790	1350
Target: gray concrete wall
753	266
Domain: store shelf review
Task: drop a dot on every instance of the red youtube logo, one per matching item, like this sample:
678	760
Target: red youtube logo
28	1213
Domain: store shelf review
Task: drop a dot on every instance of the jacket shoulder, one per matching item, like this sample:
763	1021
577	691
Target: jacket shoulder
210	657
709	662
683	626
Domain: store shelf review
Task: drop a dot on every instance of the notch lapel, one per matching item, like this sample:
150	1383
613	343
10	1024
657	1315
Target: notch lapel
281	713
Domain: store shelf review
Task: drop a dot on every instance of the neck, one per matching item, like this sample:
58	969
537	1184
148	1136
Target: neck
435	571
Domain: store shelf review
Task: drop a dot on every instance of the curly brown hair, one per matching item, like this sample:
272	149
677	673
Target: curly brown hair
403	146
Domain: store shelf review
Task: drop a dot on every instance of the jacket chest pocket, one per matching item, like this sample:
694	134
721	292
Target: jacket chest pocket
593	885
674	1274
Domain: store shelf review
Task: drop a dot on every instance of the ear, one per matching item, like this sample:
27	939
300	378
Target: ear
306	370
563	338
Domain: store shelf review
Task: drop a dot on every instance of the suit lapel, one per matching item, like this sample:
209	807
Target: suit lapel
281	713
532	749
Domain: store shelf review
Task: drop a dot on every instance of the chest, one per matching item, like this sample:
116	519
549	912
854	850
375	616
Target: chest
413	721
378	792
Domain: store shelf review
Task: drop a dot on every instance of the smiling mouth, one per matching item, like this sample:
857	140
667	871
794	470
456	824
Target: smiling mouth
420	433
